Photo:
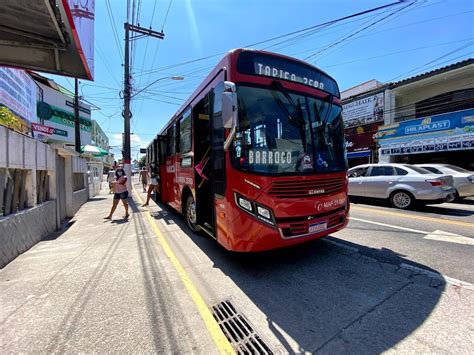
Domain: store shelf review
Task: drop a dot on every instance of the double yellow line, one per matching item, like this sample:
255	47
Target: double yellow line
212	327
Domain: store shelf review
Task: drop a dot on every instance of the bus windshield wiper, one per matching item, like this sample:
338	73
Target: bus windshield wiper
297	121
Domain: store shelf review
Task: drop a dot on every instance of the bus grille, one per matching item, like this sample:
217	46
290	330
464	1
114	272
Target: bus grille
305	188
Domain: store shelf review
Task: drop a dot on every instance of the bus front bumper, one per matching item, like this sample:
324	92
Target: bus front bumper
256	236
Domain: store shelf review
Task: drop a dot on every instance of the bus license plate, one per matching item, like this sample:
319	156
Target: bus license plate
318	227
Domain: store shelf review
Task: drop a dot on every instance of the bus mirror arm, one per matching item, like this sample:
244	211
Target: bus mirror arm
229	112
229	138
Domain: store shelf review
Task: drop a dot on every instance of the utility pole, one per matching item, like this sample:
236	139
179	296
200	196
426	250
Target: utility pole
77	128
127	115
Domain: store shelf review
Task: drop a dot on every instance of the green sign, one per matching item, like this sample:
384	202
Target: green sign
66	118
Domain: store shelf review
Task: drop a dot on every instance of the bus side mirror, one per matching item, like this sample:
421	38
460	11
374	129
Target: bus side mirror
228	109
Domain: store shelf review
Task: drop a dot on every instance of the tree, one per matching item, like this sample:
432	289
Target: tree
8	119
142	161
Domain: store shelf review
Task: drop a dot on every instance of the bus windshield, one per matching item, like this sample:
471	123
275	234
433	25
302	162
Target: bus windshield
284	133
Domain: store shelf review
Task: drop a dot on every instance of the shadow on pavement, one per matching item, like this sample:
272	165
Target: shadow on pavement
325	300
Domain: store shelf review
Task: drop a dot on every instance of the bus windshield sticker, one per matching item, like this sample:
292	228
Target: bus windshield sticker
269	157
307	162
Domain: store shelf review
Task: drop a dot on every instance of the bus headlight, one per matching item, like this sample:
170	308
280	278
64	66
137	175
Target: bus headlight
244	203
262	213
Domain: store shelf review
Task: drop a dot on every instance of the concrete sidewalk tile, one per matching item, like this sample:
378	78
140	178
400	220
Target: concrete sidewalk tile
99	287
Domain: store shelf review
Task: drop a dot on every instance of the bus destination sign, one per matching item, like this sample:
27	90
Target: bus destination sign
275	67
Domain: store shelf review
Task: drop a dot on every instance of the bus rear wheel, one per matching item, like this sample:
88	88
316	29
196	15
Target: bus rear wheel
190	215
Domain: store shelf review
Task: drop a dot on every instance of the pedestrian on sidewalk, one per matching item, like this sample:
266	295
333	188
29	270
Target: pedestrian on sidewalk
144	177
154	182
120	193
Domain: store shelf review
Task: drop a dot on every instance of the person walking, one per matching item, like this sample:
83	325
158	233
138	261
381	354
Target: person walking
144	177
154	182
120	193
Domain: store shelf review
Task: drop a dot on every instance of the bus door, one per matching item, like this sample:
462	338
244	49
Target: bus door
218	163
203	164
169	178
209	158
161	161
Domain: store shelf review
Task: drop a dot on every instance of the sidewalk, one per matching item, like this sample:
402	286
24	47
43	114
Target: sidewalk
99	286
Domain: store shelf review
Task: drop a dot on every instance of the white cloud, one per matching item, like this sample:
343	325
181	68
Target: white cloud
117	139
135	138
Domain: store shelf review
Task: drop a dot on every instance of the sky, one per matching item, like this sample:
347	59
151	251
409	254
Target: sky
394	43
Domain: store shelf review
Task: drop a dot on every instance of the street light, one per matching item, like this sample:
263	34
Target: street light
157	80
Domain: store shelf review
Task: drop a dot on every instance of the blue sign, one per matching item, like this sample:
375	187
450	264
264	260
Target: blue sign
446	124
427	127
448	131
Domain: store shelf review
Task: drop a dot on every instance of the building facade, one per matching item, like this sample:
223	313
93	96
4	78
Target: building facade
98	136
363	112
431	118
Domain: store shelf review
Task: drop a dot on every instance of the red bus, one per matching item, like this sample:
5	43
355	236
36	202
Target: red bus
256	156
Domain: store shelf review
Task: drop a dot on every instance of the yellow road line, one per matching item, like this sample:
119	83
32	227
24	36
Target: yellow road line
421	218
212	327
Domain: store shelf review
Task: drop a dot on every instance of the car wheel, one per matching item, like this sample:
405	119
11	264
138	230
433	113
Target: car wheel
457	198
190	215
402	199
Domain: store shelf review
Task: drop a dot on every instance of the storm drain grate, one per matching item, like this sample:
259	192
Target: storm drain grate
238	330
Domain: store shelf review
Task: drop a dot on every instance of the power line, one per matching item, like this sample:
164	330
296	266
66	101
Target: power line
436	59
166	17
299	38
280	36
114	28
357	32
389	29
397	52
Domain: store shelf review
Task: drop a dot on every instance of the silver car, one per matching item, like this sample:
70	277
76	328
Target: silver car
402	184
463	179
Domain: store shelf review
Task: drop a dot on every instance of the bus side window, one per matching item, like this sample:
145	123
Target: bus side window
171	141
184	132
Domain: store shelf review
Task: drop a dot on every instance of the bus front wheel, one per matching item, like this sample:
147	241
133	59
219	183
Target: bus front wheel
191	219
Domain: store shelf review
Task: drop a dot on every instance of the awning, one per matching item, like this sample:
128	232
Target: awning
54	36
363	153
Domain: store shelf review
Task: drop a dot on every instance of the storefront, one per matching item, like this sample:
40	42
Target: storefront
444	138
362	115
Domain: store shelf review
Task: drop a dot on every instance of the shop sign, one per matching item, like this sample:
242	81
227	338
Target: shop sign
18	92
83	17
42	129
427	145
458	122
360	112
360	142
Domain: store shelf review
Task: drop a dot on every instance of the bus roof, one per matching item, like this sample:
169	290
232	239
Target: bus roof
232	54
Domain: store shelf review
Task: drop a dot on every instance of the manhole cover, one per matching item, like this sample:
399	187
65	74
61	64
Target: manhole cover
238	330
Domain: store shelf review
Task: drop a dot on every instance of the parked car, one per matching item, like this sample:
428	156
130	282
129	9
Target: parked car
463	179
402	184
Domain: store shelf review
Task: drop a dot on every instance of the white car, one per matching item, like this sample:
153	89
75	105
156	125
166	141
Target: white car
402	184
463	179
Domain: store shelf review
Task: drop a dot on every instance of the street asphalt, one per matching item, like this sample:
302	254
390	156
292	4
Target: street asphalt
114	287
439	238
